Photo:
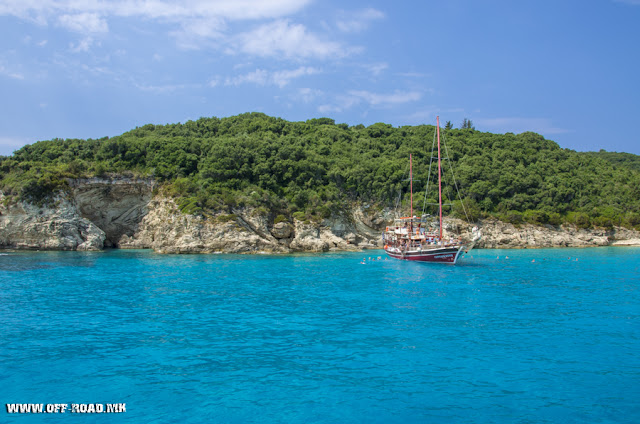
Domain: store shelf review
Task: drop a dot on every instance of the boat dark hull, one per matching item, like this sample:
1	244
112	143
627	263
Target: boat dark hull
447	255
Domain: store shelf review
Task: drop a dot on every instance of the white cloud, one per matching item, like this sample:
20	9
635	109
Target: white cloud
282	78
162	89
355	97
84	23
258	77
194	18
413	74
519	125
214	81
96	70
199	23
292	41
11	74
376	99
377	68
193	32
242	65
171	10
340	104
307	95
358	21
263	77
83	45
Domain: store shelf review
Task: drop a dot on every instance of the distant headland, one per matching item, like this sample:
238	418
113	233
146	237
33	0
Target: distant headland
254	183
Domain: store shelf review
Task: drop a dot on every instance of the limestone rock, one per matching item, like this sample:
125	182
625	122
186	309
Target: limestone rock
115	205
307	238
167	230
282	230
630	242
56	227
124	212
496	234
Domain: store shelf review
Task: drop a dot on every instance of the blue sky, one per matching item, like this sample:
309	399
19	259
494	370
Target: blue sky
569	70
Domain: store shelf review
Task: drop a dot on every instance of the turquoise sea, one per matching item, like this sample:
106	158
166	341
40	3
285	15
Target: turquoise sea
545	336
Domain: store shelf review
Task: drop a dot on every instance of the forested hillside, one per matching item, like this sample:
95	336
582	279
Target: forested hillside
626	160
316	168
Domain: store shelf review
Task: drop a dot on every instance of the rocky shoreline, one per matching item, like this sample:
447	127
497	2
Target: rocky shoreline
125	213
500	235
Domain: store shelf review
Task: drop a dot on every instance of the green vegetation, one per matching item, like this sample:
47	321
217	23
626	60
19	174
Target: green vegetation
625	160
311	170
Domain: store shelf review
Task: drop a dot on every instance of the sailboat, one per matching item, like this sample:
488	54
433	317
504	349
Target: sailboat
412	239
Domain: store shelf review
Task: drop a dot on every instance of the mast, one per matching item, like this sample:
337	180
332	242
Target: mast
411	184
439	175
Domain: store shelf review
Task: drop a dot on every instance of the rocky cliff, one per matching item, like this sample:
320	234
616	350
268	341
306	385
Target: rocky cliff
116	206
55	227
165	229
500	235
98	213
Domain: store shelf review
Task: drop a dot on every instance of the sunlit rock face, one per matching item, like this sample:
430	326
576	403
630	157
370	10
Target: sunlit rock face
98	213
57	226
116	206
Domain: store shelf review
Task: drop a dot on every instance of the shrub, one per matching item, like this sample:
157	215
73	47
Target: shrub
40	190
280	218
535	217
555	218
633	220
470	206
300	216
100	170
513	217
226	218
189	206
603	221
323	211
580	219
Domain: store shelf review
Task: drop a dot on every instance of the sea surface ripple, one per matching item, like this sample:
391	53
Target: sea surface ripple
506	336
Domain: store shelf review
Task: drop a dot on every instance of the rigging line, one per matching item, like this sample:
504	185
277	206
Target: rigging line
433	145
446	149
399	201
445	179
449	185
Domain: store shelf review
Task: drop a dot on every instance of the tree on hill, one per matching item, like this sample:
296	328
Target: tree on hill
317	168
